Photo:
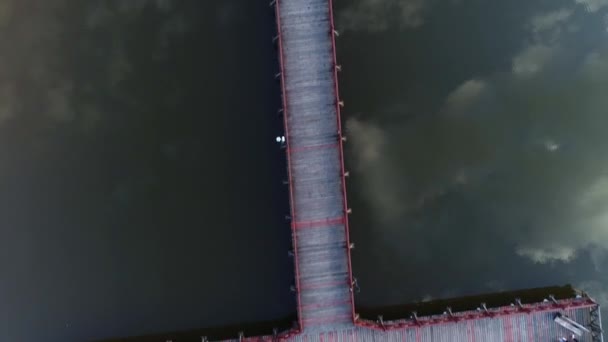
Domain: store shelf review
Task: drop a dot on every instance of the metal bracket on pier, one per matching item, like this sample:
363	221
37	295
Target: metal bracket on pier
275	38
381	321
594	325
355	286
351	246
341	103
346	174
484	308
272	3
277	75
336	33
520	306
349	211
552	297
338	67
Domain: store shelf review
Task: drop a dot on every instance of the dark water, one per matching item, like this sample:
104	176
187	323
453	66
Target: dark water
140	182
477	145
140	185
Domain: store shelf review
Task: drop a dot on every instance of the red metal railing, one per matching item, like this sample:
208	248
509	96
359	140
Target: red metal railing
566	304
341	153
291	198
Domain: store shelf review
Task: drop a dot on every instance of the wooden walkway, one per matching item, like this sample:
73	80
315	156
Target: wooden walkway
315	162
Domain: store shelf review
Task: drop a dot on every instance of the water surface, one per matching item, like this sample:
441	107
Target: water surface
478	145
140	184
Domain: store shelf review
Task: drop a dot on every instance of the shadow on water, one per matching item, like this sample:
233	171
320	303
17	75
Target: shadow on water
467	303
264	328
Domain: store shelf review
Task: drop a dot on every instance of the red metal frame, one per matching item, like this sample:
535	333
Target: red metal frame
341	153
566	304
291	198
